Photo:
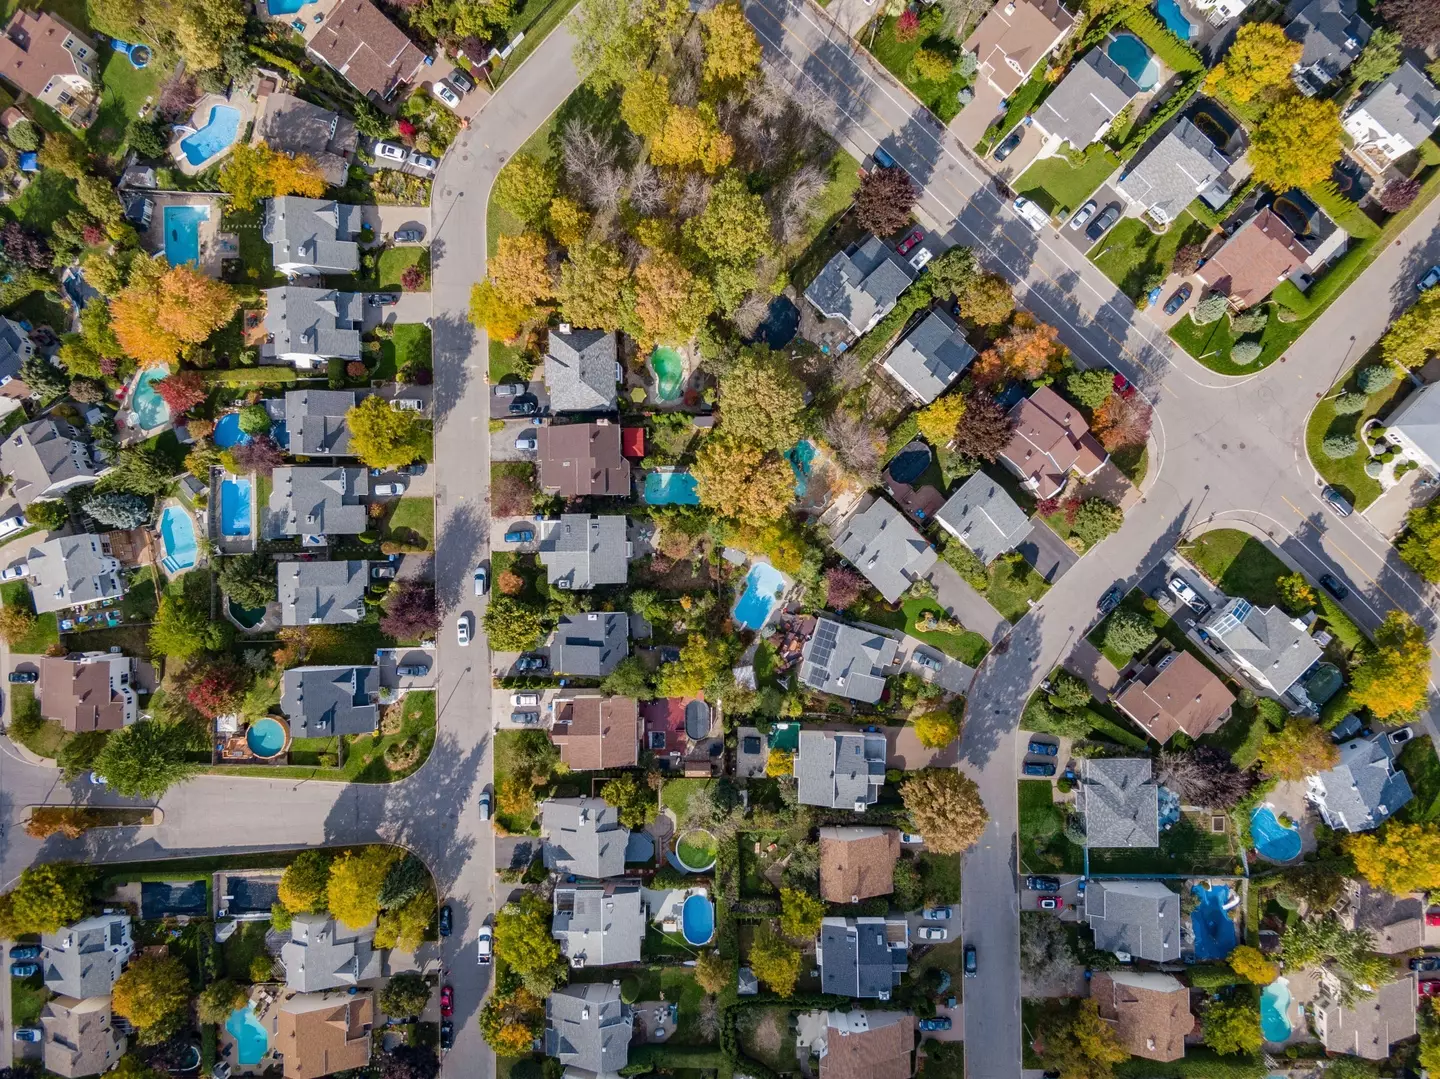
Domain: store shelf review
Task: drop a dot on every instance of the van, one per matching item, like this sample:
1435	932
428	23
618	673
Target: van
1031	214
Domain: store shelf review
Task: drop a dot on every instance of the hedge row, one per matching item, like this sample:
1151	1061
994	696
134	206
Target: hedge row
256	376
645	1058
1213	976
1174	53
1200	209
1173	104
1344	212
874	342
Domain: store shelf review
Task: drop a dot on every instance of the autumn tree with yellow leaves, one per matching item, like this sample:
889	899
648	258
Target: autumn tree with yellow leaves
164	308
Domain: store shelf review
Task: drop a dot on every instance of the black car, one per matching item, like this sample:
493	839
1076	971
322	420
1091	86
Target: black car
447	1033
1006	148
972	968
531	663
1042	884
1101	225
1177	301
24	677
446	920
1336	501
1043	770
408	236
523	407
1333	586
1110	600
384	299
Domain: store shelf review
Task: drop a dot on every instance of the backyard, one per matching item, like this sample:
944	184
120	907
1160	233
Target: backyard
1137	259
1060	187
1347	474
1189	846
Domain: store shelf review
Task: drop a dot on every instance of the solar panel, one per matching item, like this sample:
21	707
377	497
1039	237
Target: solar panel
822	646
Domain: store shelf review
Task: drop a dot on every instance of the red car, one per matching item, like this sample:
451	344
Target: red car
1052	902
1433	918
447	1002
1430	988
910	241
1122	386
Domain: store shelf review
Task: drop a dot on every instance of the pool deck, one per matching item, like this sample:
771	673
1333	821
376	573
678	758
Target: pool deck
241	102
1288	799
267	999
128	433
222	543
197	522
215	246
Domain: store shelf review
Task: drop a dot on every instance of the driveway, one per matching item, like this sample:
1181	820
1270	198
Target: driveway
1076	238
390	660
975	117
953	676
963	602
1387	513
385	221
1046	552
412	307
534	391
502	442
1022	157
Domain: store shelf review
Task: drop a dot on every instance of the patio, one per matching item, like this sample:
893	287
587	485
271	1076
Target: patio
265	999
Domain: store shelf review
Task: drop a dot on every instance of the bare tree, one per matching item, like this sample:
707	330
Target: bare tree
811	102
769	93
647	189
592	165
855	443
709	1018
751	313
1204	776
790	202
1044	947
961	15
694	196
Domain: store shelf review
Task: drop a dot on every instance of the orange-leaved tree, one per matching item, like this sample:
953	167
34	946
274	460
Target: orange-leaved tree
164	308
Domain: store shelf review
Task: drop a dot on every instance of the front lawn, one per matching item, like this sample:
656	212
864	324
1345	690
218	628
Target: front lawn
27	1000
1422	768
517	816
1043	846
1014	585
1136	259
1211	344
939	97
45	631
1058	187
1347	475
394	261
940	875
407	349
412	523
963	644
40	736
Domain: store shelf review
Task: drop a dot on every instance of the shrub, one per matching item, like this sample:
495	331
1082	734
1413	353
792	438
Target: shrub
1244	352
1211	309
1338	446
1127	632
930	65
907	25
23	136
1252	320
1375	377
1349	403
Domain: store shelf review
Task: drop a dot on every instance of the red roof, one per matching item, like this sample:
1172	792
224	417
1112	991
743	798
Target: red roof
632	441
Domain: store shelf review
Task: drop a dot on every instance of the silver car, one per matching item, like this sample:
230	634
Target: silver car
1083	215
422	161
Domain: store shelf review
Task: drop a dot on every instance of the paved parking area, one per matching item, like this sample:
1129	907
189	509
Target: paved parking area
953	676
1053	759
1047	552
385	221
412	307
1104	196
1387	513
503	705
1021	158
1069	895
534	391
499	528
397	391
502	442
390	660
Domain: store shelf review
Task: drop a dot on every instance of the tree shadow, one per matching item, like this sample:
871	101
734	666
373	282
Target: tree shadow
453	342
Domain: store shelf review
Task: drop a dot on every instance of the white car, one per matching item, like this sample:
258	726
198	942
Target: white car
482	580
15	572
527	443
933	932
422	161
484	943
389	151
525	699
383	489
13	524
408	404
920	258
1082	216
462	630
444	93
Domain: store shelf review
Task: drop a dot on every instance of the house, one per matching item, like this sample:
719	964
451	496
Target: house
321	702
663	727
84	959
581	459
1396	923
322	593
1149	1012
1265	642
15	348
1015	37
580	551
840	770
1119	801
1051	441
983	516
1080	109
1333	35
885	547
594	732
583	838
591	644
857	863
315	421
1364	789
1139	918
1184	164
860	285
325	954
91	691
322	1033
1176	694
1415	426
588	1029
599	925
81	1037
1219	12
1258	256
370	51
867	1045
1394	118
582	370
45	459
1369	1027
54	63
308	326
930	357
318	500
293	125
312	236
71	571
847	661
862	957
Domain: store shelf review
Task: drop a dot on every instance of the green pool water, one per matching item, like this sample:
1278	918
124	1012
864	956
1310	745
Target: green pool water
669	368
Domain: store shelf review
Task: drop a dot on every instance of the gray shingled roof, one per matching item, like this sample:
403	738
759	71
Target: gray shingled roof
1418	419
316	499
1405	104
1087	99
315	233
41	455
930	357
1369	1027
839	770
857	959
295	126
314	321
315	421
1332	35
580	371
329	593
324	701
1267	639
590	644
84	959
1184	164
580	551
1364	789
1141	917
14	347
599	925
583	837
588	1028
861	286
70	570
983	516
847	661
1120	801
324	954
883	545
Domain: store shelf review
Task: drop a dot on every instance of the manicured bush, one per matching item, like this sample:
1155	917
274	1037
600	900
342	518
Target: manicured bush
1243	352
1338	446
1252	320
1349	403
1375	377
1211	309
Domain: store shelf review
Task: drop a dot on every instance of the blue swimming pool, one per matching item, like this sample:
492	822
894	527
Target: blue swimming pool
1272	839
235	507
671	489
697	920
182	233
251	1037
177	532
801	458
763	586
1214	931
1170	13
287	7
1275	1011
265	737
149	407
217	135
1130	52
227	432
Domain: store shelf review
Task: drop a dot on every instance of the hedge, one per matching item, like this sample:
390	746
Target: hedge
1199	1062
1173	52
258	376
1017	106
1200	209
644	1058
1173	104
873	343
277	61
1343	211
1213	976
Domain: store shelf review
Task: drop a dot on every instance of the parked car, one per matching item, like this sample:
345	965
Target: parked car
1122	386
1044	749
447	1002
97	780
408	404
484	805
447	920
1430	280
929	662
932	932
511	389
24	970
936	914
972	967
384	489
1044	770
911	839
447	1033
422	161
528	699
531	663
1101	225
524	407
462	630
1031	214
1177	298
482	580
939	1023
1336	501
389	151
1083	215
408	236
1052	902
525	719
383	299
921	259
412	670
904	246
883	158
24	678
15	572
1008	147
1432	917
442	89
1400	737
527	442
461	81
1109	601
25	951
28	1034
1042	884
13	524
519	535
1181	587
484	945
417	469
1425	962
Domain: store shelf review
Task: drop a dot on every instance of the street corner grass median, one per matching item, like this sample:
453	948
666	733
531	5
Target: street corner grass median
1014	587
1347	474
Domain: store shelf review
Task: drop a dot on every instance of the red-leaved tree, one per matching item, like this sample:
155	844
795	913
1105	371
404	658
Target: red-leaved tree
181	391
886	198
843	586
216	688
410	611
1398	194
412	279
258	455
907	26
985	429
1122	421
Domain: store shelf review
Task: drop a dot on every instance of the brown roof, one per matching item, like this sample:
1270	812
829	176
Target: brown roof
1149	1012
78	696
80	1038
372	53
1016	36
579	459
32	52
1261	254
1051	440
597	732
857	863
882	1052
323	1033
1184	695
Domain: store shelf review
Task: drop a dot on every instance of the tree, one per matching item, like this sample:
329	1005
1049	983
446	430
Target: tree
1257	62
1297	749
1398	194
1415	335
218	1000
43	377
1211	309
775	961
734	227
88	391
1376	61
497	315
1245	352
117	509
404	994
23	135
800	914
691	138
1399	858
1345	953
260	455
1091	388
628	679
634	801
1203	776
667	301
593	284
930	66
1417	20
732	52
938	420
146	759
985	428
1420	546
843	586
1123	422
525	187
146	139
522	936
406	879
181	630
985	300
614	39
153	993
254	171
384	436
25	247
16	622
1044	947
306	882
937	729
248	579
743	480
1029	350
780	763
945	807
47	897
1082	1045
512	626
701	660
645	103
511	1022
1232	1026
713	972
255	420
1068	691
356	877
519	271
951	271
1374	377
1095	519
1349	403
1296	595
1297	142
411	611
762	396
216	686
1392	678
1251	964
163	308
1128	632
409	1062
1339	446
885	200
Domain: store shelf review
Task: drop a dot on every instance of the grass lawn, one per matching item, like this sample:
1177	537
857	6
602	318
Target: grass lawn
350	645
1013	586
1187	847
514	821
675	795
1043	846
1347	475
412	521
843	173
256	256
765	1034
939	97
409	346
942	1060
124	89
140	603
1134	257
27	998
965	645
45	631
1422	768
535	20
753	882
238	955
1211	344
394	261
48	737
941	875
46	199
1058	187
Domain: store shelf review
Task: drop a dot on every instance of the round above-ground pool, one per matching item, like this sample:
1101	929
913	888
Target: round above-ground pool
267	737
1275	1011
1272	839
697	920
251	1037
695	850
